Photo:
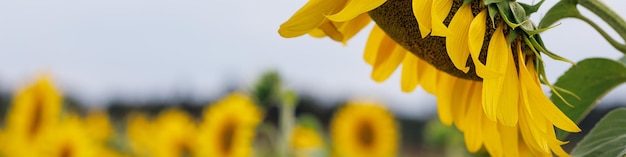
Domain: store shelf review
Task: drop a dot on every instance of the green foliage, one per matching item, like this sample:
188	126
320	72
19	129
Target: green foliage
267	89
438	134
607	138
562	9
589	81
531	8
289	97
568	9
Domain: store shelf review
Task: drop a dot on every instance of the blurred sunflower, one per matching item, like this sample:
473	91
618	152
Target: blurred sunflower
139	132
69	139
365	130
98	125
306	141
34	111
228	127
486	63
174	135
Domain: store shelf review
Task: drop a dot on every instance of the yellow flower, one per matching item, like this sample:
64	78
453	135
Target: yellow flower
174	134
364	130
485	84
338	19
69	139
228	127
98	125
139	132
385	56
34	110
305	141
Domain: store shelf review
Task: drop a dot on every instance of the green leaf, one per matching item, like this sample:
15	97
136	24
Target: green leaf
266	90
519	13
310	121
607	138
590	80
562	9
487	2
512	36
539	46
466	2
493	11
289	97
530	9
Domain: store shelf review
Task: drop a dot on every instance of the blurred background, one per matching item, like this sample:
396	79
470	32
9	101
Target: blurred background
123	55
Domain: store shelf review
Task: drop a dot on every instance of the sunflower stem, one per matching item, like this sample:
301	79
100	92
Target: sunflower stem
287	121
616	44
610	17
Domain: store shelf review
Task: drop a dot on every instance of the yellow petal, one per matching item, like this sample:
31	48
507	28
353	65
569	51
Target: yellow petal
509	140
317	33
531	135
439	11
389	56
473	134
534	116
309	17
456	43
421	11
543	104
523	149
550	111
354	26
445	87
355	8
507	111
475	39
373	42
427	75
429	78
555	144
331	30
409	78
497	60
492	137
462	93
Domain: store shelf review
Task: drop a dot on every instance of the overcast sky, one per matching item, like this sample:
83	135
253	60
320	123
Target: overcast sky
100	49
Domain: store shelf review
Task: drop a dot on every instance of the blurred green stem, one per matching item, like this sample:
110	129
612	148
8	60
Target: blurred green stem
619	46
287	120
286	125
610	17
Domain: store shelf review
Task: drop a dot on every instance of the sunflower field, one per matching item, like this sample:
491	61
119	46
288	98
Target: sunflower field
483	61
40	122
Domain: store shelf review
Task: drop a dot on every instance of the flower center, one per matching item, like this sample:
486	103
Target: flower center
184	149
396	18
66	151
37	116
228	134
365	135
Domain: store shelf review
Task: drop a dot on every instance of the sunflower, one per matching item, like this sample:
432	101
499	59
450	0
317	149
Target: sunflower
306	141
174	135
364	129
483	66
69	138
228	127
139	134
98	125
34	111
348	19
